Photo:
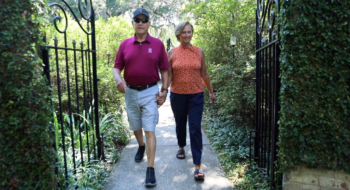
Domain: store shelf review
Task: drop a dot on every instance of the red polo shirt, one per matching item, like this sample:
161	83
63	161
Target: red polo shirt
141	60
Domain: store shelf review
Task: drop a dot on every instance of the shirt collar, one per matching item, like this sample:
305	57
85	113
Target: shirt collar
148	39
189	48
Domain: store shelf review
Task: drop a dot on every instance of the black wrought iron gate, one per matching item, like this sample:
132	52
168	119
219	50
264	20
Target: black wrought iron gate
267	88
71	72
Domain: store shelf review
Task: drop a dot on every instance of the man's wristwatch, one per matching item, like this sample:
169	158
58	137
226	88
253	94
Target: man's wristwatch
165	90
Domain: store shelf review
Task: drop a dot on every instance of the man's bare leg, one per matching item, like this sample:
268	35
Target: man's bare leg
151	147
139	137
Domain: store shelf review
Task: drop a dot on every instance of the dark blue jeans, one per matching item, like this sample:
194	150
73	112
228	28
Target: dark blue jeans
191	106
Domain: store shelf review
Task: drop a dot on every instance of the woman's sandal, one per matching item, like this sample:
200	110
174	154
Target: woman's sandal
180	152
198	177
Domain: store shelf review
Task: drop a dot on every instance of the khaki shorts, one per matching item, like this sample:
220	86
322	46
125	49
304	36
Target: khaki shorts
141	108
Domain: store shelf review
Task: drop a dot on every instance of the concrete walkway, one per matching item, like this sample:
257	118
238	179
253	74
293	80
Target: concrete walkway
171	173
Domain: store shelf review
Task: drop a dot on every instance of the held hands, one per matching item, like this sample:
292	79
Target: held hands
121	85
212	98
161	98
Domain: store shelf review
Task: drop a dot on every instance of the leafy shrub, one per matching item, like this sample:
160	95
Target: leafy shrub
26	153
315	76
110	99
89	173
231	69
231	144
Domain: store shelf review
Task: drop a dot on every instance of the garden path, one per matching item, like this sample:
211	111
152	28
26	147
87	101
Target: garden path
171	173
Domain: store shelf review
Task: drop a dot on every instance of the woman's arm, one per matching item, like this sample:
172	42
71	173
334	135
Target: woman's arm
170	70
205	77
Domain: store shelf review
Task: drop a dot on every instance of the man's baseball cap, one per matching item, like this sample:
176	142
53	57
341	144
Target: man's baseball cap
141	11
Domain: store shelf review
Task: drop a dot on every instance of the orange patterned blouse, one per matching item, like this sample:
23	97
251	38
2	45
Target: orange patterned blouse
186	66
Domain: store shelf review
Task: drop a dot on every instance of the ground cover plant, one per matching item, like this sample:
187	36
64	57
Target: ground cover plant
90	173
231	144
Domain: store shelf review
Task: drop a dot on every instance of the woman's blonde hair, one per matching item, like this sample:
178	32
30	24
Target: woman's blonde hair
180	27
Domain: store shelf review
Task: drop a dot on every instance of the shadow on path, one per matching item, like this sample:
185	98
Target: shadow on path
171	173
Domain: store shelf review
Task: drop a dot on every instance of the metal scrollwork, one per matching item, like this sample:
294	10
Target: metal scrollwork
272	16
264	10
267	89
58	17
83	61
85	9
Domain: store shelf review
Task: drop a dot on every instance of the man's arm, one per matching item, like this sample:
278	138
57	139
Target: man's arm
162	94
121	85
165	78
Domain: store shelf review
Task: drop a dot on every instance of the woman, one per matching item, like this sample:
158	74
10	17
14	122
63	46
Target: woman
186	73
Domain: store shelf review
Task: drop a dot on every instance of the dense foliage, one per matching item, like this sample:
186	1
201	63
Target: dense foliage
163	14
315	78
231	145
231	69
158	9
91	174
26	153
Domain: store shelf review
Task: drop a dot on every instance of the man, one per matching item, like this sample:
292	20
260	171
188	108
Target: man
141	57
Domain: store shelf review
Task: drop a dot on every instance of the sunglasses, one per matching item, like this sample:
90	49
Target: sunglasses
138	20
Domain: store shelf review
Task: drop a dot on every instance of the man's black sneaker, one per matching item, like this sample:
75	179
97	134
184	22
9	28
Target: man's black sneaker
150	178
140	153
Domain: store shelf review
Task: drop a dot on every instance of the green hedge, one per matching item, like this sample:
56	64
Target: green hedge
315	76
26	154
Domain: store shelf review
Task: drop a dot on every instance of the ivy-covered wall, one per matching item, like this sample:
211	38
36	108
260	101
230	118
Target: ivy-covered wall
26	154
315	80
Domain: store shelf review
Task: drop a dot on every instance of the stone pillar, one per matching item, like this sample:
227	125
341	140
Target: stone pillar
303	178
